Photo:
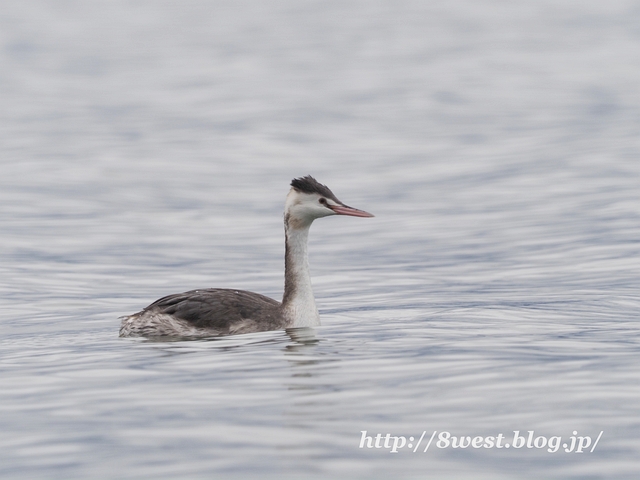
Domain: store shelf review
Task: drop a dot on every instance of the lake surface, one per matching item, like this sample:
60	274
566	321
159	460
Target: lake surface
146	149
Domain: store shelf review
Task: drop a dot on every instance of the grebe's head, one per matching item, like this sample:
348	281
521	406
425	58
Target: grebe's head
308	199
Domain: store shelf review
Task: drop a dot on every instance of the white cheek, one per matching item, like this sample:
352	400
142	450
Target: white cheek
313	211
322	211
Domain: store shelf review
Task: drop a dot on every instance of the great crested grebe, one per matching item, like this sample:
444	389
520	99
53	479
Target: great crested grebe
220	311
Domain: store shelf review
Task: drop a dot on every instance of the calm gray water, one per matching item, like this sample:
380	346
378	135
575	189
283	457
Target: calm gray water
146	149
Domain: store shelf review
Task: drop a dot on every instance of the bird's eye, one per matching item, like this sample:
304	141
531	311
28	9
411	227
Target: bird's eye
323	201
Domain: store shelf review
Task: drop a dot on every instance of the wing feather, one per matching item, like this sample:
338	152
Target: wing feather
220	308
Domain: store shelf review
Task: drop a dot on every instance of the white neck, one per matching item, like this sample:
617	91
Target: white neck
298	304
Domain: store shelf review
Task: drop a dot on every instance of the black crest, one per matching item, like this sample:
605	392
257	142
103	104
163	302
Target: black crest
309	184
